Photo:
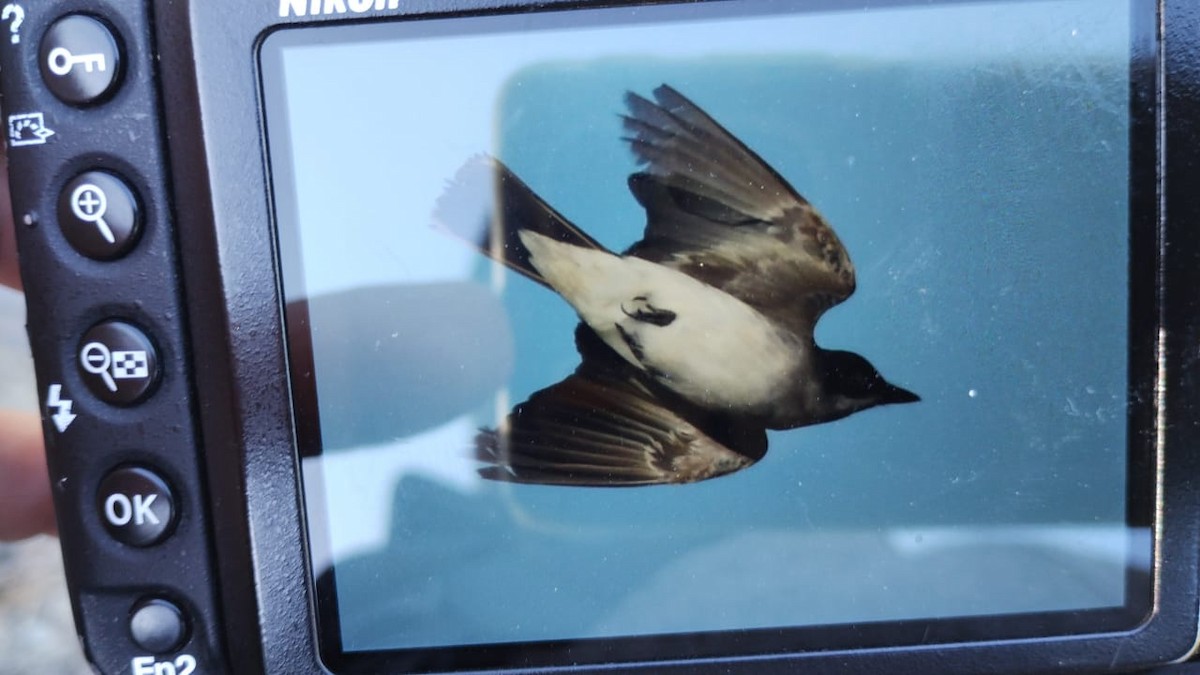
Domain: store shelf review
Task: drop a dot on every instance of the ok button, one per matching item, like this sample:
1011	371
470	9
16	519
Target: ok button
136	506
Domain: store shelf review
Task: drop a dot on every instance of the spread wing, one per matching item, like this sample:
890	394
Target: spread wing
717	211
610	431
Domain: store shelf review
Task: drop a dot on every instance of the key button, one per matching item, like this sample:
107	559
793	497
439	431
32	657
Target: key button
80	59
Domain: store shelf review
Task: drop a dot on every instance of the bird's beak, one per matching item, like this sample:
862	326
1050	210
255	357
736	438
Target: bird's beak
894	394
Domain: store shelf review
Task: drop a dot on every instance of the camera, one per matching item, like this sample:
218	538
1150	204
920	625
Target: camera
567	336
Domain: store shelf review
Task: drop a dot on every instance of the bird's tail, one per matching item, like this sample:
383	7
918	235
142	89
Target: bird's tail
488	206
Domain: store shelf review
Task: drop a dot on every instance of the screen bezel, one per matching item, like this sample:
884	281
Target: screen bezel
259	428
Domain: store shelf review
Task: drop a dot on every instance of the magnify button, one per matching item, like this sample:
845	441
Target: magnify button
99	215
89	203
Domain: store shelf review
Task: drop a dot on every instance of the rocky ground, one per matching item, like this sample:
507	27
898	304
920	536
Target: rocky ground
37	636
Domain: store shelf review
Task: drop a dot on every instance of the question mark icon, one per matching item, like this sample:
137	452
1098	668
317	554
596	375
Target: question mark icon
13	11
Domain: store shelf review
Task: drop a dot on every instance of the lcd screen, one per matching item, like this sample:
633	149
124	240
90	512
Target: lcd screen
685	330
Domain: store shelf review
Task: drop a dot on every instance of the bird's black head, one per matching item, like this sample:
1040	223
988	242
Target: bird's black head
852	384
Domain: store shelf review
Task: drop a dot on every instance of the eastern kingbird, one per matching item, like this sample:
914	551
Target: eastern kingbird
695	340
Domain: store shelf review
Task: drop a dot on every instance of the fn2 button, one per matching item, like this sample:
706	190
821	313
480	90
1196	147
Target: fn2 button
158	626
136	506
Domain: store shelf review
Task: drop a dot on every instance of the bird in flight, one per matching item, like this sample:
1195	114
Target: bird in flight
696	339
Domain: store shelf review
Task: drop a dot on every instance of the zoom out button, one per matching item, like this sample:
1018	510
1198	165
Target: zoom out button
118	362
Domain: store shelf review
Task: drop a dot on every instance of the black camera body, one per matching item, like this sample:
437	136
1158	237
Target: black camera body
279	323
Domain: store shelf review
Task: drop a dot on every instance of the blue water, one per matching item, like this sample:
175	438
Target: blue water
985	206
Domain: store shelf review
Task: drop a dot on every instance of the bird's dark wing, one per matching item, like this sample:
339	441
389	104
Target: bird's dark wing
713	203
610	432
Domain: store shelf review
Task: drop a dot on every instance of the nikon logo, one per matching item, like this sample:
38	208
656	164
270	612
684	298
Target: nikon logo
326	7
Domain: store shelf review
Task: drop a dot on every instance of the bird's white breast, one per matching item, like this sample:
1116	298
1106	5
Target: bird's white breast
718	351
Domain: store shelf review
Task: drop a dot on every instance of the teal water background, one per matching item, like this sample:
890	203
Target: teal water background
974	161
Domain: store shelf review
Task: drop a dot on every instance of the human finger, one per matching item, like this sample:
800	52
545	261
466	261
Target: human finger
26	505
